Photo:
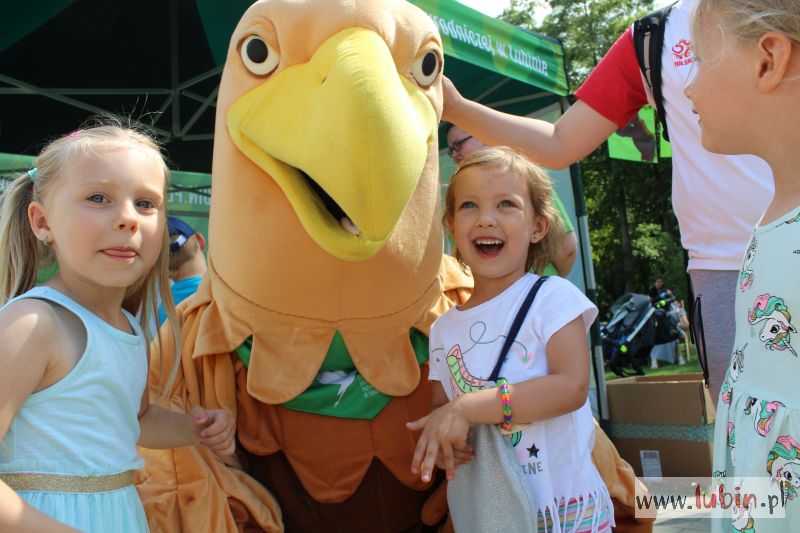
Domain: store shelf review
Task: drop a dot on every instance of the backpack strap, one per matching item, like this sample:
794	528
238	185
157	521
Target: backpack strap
518	320
648	41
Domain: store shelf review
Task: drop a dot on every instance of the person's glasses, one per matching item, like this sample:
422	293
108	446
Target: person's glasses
456	146
696	329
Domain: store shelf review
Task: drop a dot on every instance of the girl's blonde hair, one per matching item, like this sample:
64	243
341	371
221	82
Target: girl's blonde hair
748	20
540	190
24	255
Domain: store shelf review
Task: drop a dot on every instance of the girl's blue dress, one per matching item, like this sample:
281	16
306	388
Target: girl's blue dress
85	425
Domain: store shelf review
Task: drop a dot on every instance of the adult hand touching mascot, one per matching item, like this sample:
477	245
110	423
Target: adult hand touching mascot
325	274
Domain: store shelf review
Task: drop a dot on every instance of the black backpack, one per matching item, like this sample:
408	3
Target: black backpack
648	40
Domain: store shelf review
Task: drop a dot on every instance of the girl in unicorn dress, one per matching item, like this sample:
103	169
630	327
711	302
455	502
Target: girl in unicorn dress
749	59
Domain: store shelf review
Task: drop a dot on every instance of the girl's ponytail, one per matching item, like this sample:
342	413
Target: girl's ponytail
22	253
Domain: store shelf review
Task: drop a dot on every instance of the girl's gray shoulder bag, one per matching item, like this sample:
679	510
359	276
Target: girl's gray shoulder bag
490	492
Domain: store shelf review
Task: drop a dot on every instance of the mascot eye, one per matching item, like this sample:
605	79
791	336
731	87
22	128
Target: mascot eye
259	57
426	68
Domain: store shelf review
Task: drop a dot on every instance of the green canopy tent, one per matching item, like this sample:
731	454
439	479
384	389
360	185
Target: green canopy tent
65	60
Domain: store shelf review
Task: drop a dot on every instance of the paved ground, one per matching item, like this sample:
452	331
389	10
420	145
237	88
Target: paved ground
675	522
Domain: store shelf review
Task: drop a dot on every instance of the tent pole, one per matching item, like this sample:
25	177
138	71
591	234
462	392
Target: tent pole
598	366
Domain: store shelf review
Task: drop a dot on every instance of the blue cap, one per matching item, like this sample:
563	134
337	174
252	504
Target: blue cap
180	228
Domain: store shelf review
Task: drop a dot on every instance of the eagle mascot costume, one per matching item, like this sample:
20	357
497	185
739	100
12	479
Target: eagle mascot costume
325	274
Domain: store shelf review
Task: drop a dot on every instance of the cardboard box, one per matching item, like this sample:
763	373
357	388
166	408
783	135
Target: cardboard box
662	425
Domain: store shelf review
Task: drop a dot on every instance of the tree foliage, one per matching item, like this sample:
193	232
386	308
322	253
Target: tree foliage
587	28
633	232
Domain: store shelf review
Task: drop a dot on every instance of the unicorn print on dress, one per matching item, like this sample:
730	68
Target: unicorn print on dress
726	392
742	521
783	464
748	404
746	276
737	364
765	416
777	328
734	371
732	442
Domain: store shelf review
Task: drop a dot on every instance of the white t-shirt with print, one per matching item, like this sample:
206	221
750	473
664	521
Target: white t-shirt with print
555	454
717	199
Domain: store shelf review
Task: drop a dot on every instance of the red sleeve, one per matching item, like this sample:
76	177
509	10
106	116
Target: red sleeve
615	88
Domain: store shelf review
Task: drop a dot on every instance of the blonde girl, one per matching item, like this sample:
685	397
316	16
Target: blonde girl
73	401
747	97
499	211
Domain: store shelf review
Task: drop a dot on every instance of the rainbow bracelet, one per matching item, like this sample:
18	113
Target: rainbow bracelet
505	399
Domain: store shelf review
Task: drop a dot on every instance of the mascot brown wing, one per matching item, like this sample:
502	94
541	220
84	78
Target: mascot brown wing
325	273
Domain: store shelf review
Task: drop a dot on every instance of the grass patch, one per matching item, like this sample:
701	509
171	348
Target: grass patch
692	366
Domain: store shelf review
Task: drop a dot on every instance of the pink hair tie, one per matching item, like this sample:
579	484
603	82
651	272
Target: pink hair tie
74	134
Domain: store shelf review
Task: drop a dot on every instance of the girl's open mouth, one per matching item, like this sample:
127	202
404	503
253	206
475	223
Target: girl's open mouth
490	247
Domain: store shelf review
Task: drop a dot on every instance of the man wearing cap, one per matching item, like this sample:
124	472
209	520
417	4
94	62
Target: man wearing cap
187	264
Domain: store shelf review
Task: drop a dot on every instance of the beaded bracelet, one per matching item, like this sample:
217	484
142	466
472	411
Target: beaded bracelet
505	399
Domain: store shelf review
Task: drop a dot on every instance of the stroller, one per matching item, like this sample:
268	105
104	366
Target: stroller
636	325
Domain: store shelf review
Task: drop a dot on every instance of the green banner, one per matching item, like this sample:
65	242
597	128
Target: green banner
638	140
467	34
498	46
189	199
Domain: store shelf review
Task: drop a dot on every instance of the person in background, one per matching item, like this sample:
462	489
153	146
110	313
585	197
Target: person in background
460	144
187	264
658	289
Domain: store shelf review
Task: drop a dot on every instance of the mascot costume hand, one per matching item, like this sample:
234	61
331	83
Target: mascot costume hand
325	274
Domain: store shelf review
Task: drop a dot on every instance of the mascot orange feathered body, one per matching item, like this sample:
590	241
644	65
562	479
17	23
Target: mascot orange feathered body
325	274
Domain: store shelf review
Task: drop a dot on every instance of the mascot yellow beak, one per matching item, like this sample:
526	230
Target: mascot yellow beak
352	140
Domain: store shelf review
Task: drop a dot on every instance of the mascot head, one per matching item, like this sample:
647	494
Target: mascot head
325	157
324	211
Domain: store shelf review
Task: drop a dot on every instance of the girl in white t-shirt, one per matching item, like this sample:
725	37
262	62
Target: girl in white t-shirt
500	214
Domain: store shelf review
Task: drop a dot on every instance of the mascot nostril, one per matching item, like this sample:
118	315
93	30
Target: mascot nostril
325	273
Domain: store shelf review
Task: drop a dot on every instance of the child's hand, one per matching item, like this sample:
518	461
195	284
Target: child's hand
214	429
445	429
461	456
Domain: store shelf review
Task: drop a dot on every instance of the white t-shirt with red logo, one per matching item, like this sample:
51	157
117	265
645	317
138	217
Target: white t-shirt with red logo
717	199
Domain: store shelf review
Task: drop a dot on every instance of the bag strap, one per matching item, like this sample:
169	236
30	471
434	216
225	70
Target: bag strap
648	41
512	333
